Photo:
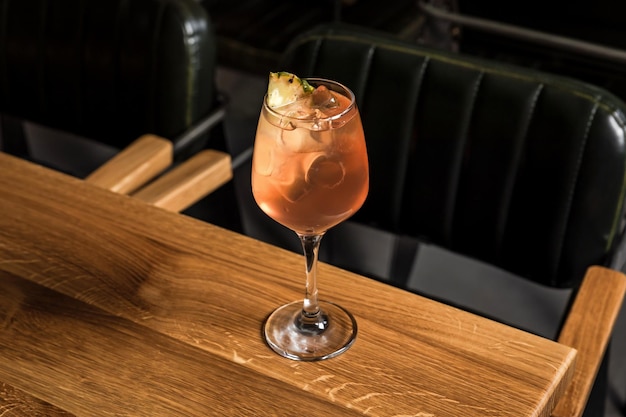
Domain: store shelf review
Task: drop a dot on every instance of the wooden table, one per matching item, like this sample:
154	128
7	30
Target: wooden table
112	307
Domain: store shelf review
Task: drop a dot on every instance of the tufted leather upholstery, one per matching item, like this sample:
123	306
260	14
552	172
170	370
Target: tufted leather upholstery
110	70
521	169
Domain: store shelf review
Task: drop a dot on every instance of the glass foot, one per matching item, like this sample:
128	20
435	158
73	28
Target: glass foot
294	336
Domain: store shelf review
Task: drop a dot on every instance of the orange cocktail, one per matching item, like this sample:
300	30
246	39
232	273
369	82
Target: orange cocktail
310	169
309	173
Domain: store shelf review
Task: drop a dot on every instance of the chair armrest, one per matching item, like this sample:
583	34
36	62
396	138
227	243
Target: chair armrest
588	329
189	182
135	165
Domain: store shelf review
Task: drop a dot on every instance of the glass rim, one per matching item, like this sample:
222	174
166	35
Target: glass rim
337	116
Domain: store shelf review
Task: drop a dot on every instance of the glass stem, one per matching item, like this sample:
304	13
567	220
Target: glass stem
312	320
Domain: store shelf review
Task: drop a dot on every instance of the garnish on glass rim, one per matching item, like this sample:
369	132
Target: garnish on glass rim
284	88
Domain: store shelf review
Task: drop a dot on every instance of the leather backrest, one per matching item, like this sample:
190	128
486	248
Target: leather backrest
517	168
107	69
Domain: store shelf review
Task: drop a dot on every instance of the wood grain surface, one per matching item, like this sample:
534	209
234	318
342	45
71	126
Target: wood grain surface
112	307
588	328
135	165
190	181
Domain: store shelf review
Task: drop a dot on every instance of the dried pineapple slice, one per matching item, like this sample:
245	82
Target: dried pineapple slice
284	88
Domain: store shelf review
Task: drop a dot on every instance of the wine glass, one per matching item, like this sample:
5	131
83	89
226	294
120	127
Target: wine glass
309	173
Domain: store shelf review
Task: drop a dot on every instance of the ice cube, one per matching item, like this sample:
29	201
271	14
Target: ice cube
299	109
323	99
306	141
263	161
295	190
324	172
296	180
